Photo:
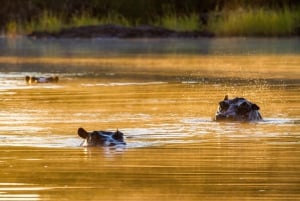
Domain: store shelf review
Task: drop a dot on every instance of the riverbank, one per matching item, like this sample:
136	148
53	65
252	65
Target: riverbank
118	31
259	22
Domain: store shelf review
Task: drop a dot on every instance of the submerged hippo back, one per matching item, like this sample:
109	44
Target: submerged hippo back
237	109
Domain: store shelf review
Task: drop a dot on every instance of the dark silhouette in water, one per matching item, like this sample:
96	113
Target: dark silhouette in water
101	138
237	109
118	31
33	79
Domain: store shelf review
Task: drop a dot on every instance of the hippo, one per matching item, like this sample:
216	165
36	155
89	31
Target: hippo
101	138
33	79
237	109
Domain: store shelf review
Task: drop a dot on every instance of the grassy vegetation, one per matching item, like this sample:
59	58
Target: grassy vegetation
256	22
238	22
46	21
189	22
53	23
86	19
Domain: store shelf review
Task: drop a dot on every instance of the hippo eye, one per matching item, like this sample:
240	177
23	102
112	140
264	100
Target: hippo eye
224	105
95	137
243	108
244	105
255	107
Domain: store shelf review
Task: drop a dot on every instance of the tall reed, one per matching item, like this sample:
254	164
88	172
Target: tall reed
172	21
53	23
111	18
46	22
83	19
241	22
255	22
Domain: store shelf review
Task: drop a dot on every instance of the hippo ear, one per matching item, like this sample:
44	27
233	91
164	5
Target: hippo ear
226	97
82	133
254	107
118	135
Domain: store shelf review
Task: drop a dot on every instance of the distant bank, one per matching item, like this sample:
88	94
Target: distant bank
257	22
118	31
143	31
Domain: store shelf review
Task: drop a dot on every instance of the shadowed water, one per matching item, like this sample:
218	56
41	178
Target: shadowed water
163	99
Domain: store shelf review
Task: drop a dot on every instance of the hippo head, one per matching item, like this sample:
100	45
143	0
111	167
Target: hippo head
33	79
101	138
27	78
237	109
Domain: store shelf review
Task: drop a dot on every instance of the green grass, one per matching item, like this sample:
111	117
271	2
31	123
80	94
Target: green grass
256	22
52	23
84	19
11	28
242	22
179	23
46	21
111	18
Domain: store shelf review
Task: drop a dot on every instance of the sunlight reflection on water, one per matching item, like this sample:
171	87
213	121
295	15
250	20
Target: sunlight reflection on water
149	113
164	104
8	191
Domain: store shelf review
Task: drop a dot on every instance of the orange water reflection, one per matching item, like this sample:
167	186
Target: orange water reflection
174	150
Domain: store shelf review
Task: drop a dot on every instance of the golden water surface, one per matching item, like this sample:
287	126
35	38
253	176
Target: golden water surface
164	104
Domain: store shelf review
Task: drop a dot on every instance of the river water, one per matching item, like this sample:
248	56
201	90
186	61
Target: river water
162	94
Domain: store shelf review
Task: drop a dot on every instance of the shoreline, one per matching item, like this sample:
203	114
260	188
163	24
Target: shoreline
119	31
142	31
